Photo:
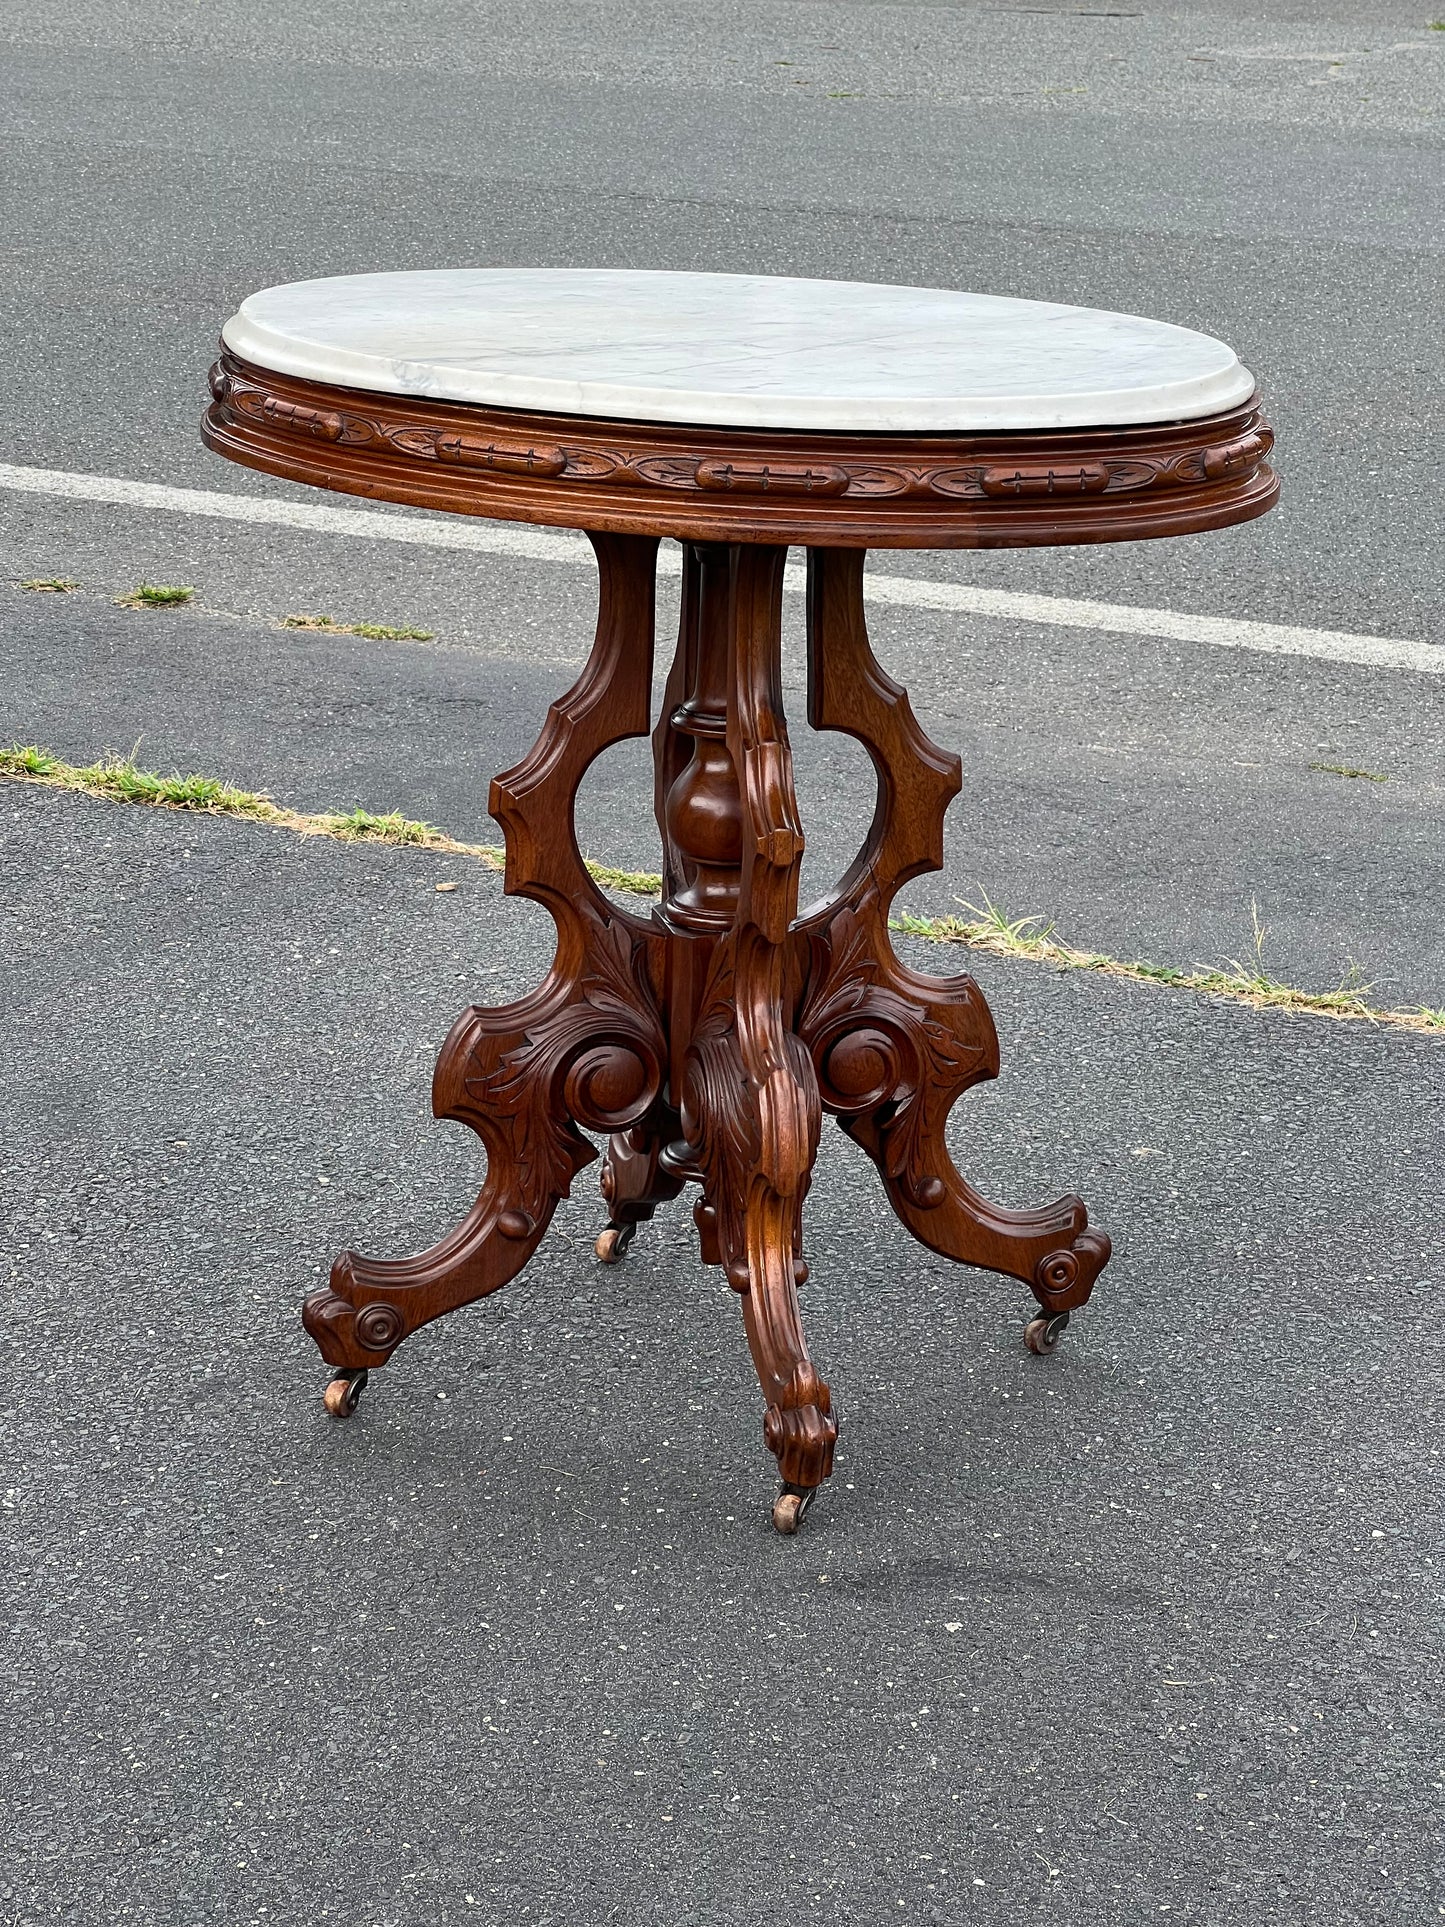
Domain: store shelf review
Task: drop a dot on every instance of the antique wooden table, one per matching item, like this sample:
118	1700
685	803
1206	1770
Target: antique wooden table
737	415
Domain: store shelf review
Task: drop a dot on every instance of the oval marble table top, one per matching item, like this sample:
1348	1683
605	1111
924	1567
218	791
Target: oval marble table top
737	351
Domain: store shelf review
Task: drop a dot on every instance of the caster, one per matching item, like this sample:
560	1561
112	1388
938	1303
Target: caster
1042	1334
343	1394
614	1242
789	1506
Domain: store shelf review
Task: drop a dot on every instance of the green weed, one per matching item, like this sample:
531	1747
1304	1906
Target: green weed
373	631
155	595
120	779
1344	769
1250	982
637	883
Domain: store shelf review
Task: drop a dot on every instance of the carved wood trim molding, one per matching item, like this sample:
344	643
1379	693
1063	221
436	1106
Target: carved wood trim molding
734	485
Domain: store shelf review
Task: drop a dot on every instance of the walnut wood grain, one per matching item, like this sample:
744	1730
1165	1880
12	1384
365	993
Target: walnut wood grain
742	485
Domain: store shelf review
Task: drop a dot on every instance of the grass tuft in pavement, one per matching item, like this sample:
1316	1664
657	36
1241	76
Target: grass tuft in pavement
1249	983
1344	769
373	631
357	826
51	584
637	883
155	595
120	780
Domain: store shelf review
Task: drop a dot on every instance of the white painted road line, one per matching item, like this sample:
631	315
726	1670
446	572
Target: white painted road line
455	532
492	538
1122	618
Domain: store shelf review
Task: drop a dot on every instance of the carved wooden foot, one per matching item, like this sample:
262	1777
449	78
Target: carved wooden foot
893	1050
588	1048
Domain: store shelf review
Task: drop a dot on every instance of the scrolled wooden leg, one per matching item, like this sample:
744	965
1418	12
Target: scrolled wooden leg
1051	1248
523	1077
586	1049
893	1050
756	1138
753	1119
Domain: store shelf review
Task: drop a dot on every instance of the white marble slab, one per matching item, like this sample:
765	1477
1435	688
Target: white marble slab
734	350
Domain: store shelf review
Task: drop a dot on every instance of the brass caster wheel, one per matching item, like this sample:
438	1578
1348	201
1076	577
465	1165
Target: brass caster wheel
614	1242
1042	1334
789	1506
343	1394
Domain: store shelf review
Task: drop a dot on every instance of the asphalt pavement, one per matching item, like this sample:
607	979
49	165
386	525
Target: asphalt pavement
1149	1625
1146	1630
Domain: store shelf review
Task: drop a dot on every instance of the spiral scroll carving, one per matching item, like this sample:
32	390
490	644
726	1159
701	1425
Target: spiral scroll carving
526	1078
379	1327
